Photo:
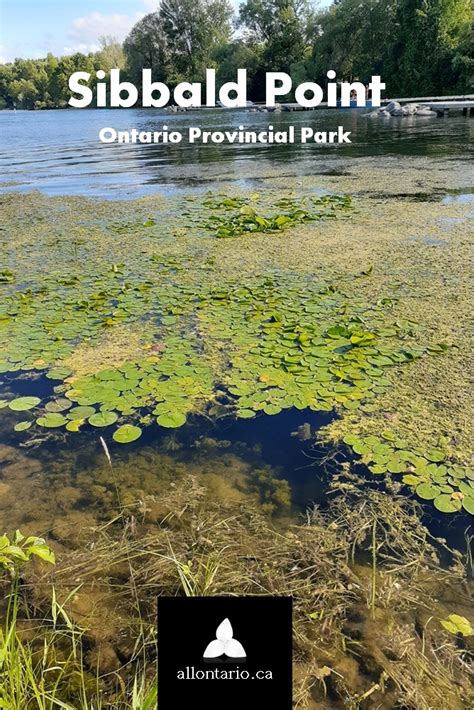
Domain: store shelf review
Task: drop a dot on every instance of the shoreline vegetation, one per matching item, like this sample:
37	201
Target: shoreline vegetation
418	51
366	634
383	609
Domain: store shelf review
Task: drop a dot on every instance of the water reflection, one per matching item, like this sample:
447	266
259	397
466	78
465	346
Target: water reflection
59	152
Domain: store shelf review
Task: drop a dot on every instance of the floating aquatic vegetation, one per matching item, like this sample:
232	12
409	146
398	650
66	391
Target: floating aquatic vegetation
216	345
127	433
245	219
431	473
457	624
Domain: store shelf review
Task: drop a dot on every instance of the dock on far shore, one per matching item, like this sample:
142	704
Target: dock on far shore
441	104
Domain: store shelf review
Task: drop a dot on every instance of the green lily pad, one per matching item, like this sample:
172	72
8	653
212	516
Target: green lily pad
52	420
272	409
468	504
102	419
446	504
378	468
126	434
172	420
395	466
21	404
58	373
245	413
58	405
427	491
74	425
457	624
83	412
22	426
435	455
411	480
466	488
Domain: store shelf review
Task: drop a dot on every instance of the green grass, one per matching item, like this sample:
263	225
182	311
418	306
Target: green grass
42	661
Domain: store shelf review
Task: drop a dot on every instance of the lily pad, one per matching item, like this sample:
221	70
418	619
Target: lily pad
81	412
21	404
102	419
52	420
22	426
435	455
127	433
468	504
58	373
245	413
74	425
446	504
172	420
457	624
427	491
58	405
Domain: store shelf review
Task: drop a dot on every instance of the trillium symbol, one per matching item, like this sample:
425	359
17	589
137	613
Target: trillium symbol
224	644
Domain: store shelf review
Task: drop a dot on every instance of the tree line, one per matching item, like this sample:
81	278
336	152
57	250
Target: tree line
419	47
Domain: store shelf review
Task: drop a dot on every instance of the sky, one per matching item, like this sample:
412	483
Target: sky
32	28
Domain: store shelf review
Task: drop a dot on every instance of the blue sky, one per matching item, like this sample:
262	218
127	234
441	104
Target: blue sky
32	28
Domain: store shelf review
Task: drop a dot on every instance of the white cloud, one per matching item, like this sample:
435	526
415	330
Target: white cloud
85	31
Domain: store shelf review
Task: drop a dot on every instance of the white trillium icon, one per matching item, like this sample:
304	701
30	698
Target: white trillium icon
224	644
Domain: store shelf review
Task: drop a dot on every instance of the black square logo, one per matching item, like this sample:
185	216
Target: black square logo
224	652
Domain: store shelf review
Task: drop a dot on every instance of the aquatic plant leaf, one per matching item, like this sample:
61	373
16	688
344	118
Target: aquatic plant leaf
59	373
427	491
75	425
445	503
457	624
22	426
126	434
171	420
58	405
102	419
468	503
81	412
435	455
21	404
52	420
245	413
411	480
395	466
377	468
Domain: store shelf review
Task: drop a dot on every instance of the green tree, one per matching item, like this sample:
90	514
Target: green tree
146	48
195	30
282	27
179	41
110	56
354	37
238	55
23	93
428	36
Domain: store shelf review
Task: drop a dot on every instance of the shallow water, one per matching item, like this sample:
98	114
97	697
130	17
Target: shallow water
59	152
66	477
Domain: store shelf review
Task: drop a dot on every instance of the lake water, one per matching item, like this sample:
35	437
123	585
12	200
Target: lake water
59	152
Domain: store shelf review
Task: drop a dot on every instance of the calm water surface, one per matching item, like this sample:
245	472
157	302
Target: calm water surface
59	152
